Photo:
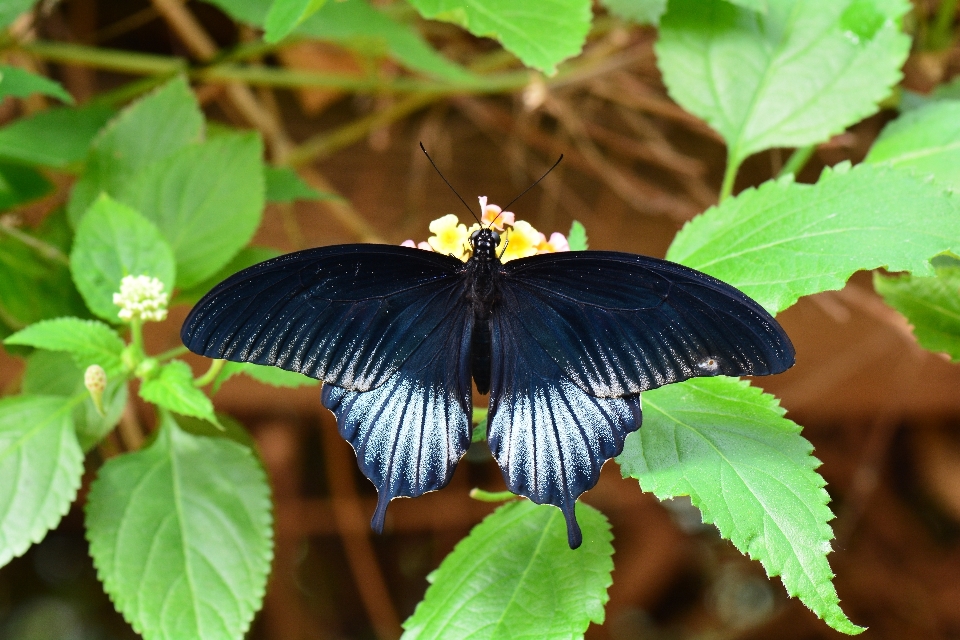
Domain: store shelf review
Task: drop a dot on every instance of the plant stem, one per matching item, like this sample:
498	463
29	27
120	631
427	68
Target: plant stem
113	59
729	176
45	249
136	337
491	496
211	373
797	160
941	34
172	353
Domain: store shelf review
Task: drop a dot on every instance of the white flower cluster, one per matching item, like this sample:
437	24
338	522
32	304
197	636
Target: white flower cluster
141	297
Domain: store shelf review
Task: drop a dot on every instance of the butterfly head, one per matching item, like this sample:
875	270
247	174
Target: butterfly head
484	242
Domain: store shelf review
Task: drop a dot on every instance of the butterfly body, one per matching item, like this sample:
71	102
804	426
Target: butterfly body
564	344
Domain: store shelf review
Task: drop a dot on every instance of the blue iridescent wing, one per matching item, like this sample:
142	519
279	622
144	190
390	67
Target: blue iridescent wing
549	437
411	431
617	324
349	315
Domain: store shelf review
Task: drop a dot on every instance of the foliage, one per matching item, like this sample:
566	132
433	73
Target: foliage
180	530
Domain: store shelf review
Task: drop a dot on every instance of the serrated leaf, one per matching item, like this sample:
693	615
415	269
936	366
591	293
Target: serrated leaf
20	184
750	472
36	287
283	184
542	33
793	76
515	576
53	138
577	238
285	15
180	533
931	304
359	26
88	341
20	83
40	469
785	240
639	11
246	257
206	200
149	130
925	141
54	373
172	388
273	376
114	241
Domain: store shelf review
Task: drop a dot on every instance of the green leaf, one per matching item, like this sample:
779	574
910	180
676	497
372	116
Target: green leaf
114	241
542	33
515	577
36	287
54	373
19	184
149	130
246	257
173	389
639	11
358	25
40	469
207	201
180	533
790	77
274	376
88	341
925	141
785	240
53	138
931	304
577	238
10	10
750	472
283	184
285	15
754	5
20	83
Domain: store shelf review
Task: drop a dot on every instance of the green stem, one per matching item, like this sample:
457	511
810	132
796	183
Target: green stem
172	353
211	373
45	249
113	59
729	176
797	160
491	496
941	34
136	337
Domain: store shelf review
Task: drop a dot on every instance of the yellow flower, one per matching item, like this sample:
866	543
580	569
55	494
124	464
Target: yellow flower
449	237
493	216
522	241
557	242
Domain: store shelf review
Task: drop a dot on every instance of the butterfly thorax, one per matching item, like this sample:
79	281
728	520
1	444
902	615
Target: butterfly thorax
483	270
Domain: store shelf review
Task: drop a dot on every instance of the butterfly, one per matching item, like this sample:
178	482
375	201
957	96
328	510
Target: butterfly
564	343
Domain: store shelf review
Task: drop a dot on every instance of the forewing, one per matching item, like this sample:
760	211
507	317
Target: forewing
617	324
549	437
349	315
410	432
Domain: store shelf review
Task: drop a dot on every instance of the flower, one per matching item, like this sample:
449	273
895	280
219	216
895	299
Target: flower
557	242
141	297
450	236
494	217
416	245
522	241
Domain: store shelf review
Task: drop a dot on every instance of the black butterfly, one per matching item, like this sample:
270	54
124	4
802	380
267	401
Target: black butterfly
563	342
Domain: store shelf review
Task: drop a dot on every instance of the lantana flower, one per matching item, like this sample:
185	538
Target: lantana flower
141	297
450	236
522	240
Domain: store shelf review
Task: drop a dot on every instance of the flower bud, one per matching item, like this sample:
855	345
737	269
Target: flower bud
95	380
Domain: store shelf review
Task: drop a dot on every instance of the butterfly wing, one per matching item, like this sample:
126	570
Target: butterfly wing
350	315
618	324
549	437
577	336
410	432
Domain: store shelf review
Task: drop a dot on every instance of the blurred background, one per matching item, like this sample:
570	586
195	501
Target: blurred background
882	413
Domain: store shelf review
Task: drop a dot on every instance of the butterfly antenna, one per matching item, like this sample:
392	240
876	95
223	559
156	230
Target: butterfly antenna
535	183
451	186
